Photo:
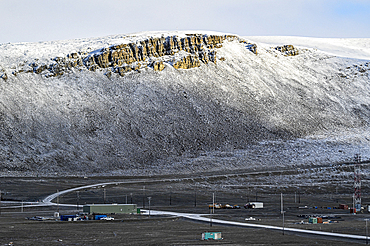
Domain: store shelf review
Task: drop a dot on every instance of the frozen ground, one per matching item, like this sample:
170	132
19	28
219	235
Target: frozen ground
253	112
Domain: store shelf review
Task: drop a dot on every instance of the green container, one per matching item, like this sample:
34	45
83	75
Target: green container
211	235
138	211
312	220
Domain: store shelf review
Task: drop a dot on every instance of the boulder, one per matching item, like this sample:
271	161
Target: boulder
287	50
158	66
4	76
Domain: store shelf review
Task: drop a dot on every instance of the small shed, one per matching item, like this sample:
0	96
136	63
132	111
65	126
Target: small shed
211	235
110	209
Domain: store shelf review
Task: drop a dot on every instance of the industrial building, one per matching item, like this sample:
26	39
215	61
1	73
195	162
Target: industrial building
111	209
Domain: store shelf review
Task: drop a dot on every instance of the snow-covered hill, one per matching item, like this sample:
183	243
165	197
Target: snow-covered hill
170	102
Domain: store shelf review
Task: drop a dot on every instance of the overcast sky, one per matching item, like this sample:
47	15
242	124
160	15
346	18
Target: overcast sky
45	20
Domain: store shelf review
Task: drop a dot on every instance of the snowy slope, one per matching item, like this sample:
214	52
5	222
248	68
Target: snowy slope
357	48
148	121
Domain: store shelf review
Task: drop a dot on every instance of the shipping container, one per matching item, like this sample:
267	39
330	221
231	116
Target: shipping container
312	220
343	206
211	235
99	216
67	217
319	220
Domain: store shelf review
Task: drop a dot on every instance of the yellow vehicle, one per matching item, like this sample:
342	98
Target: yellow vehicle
215	205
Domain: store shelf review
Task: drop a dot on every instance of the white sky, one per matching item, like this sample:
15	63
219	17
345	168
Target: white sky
45	20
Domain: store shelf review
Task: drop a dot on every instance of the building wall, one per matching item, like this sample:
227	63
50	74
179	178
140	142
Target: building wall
110	208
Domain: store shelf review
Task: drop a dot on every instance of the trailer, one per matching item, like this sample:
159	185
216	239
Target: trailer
100	216
254	205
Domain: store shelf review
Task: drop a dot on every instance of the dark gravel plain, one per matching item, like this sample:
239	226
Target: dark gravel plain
182	195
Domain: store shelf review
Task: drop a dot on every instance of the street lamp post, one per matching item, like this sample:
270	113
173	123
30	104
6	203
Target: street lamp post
58	201
282	211
144	196
78	199
366	231
195	198
104	195
213	207
149	198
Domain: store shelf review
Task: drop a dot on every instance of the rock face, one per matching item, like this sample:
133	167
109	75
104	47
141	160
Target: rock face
151	52
145	105
287	50
3	75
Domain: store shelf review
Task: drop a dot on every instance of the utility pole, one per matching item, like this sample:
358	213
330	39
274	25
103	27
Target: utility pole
149	198
295	197
367	242
104	195
213	207
58	201
282	211
144	196
210	218
195	198
170	198
78	199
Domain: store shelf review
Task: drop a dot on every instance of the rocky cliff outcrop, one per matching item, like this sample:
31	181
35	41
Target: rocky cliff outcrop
3	75
287	50
156	53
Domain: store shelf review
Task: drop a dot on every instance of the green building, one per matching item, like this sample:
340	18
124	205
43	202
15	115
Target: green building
111	209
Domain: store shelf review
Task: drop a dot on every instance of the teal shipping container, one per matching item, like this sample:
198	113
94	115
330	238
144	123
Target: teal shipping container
211	235
312	220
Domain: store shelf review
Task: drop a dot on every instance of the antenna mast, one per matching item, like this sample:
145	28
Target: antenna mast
357	184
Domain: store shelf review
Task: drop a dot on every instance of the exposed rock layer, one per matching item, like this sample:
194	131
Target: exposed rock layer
288	50
151	52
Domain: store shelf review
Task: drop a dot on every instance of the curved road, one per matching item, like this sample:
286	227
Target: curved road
47	201
199	217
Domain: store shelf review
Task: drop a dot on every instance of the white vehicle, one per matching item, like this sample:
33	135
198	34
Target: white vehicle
107	218
250	218
254	205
